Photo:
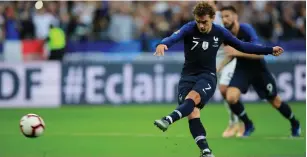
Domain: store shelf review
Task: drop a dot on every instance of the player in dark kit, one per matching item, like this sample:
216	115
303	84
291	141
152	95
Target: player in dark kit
251	70
202	40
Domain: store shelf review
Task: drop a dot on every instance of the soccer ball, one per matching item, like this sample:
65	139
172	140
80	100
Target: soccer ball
32	125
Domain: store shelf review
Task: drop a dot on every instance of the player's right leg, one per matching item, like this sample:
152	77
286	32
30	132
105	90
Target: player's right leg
186	106
180	112
205	87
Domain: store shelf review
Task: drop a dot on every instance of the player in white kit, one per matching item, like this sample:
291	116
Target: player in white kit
225	75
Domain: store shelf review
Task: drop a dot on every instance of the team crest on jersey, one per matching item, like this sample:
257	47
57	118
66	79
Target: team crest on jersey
205	45
216	41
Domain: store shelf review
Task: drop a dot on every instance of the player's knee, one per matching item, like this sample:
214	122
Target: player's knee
194	114
223	90
275	101
232	99
194	96
232	95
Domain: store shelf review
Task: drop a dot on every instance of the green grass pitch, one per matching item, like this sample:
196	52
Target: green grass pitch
128	131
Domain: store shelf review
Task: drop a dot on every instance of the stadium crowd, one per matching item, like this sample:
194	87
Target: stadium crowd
124	21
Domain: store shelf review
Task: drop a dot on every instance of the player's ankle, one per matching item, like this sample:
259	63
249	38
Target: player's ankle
248	123
294	122
168	119
233	122
206	150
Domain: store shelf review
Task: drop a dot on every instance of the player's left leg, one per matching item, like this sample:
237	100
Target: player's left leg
199	133
206	88
266	88
286	111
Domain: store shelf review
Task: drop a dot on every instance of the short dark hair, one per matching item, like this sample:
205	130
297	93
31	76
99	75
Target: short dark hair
229	8
204	8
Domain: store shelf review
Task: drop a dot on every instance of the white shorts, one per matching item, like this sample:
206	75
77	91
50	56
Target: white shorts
227	73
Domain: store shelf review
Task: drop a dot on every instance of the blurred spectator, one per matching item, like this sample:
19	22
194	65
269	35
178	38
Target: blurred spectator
301	21
2	23
160	26
288	22
42	19
145	20
267	24
85	11
56	43
245	12
25	22
121	24
101	21
11	25
26	26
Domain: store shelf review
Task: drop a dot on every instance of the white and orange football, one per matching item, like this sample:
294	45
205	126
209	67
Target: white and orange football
32	125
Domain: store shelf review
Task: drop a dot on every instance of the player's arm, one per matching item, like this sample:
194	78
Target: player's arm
171	40
253	38
231	52
250	48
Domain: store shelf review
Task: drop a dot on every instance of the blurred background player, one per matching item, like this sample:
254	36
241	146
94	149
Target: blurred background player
56	43
224	76
251	70
197	85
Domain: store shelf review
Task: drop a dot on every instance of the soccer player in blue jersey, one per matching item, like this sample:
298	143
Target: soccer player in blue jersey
202	40
251	70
